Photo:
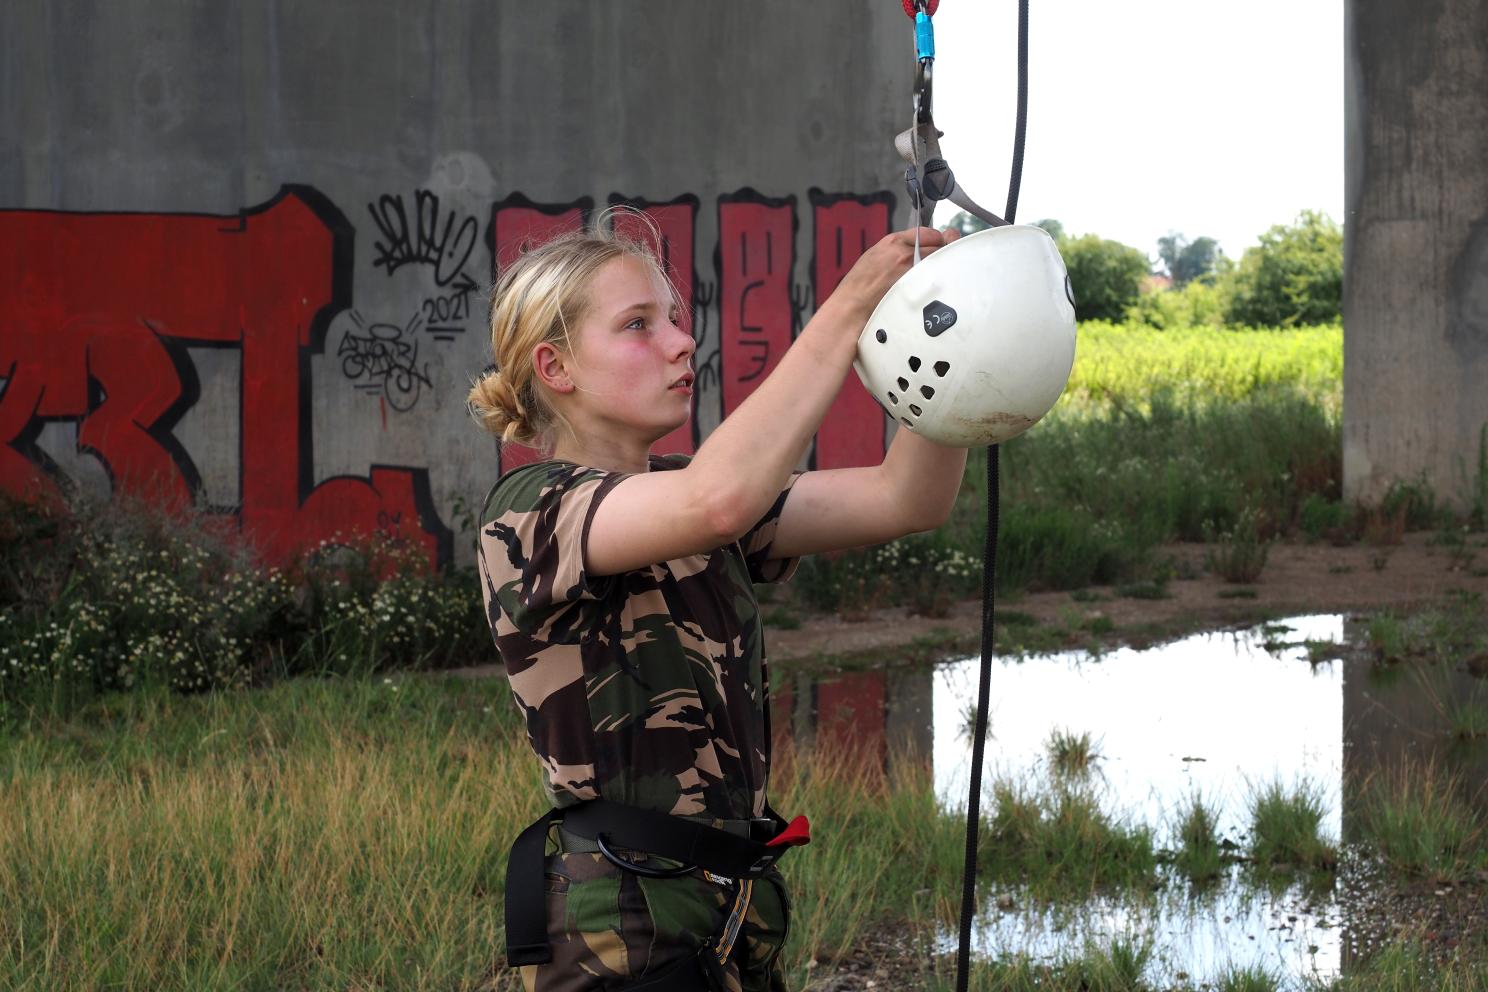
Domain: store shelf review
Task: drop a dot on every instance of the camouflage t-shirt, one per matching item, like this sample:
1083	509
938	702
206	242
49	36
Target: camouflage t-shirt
649	687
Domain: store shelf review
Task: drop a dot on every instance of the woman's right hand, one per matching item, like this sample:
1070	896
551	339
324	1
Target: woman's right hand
880	267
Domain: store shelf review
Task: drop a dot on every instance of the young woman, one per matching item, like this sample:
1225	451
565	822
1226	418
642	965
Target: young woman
619	589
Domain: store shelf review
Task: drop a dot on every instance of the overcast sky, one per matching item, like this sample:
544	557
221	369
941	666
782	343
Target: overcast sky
1199	117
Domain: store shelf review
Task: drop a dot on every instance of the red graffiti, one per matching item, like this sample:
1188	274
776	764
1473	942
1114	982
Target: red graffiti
756	254
678	223
851	433
100	309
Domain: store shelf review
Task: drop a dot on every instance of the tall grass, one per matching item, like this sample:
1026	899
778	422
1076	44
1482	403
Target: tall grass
1286	828
1421	818
326	833
1120	364
336	833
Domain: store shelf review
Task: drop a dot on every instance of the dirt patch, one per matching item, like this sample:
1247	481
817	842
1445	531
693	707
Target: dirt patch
1298	578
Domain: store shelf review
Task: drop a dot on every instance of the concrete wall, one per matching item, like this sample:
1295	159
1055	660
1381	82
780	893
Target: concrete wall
1415	300
244	245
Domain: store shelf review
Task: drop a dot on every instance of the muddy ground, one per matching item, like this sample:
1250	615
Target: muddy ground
1297	579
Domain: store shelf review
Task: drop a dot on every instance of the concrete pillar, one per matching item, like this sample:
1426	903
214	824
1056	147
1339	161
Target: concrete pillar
1415	298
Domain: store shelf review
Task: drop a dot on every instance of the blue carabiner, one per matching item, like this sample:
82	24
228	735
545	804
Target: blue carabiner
924	36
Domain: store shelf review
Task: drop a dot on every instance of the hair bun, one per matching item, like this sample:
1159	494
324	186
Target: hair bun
496	404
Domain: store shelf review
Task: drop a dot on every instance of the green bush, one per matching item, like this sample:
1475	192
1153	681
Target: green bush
1294	276
1239	553
1106	276
1196	304
101	597
1320	516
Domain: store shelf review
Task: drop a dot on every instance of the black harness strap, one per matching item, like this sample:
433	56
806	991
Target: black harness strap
526	929
660	834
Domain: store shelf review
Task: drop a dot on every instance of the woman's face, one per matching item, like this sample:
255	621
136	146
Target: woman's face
631	349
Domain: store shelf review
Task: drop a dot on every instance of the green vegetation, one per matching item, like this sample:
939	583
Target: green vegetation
1420	817
1293	277
1200	857
1404	965
1285	829
357	827
1106	275
96	598
1071	754
1056	839
1238	554
1252	979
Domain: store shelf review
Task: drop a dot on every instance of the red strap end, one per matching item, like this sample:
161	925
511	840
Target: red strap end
797	832
909	7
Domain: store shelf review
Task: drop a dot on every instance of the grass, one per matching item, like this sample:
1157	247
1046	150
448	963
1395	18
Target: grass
1237	554
1116	966
1057	840
1286	829
1200	857
1418	815
1071	755
326	833
345	833
1254	978
1406	966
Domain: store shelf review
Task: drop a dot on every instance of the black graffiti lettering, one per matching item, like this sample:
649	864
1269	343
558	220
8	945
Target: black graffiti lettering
440	311
441	240
744	325
762	357
383	356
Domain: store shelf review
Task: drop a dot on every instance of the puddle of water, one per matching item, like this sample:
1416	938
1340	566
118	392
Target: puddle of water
1216	714
1220	715
1213	714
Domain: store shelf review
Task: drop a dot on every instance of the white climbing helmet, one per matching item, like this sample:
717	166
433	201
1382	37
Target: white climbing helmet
974	344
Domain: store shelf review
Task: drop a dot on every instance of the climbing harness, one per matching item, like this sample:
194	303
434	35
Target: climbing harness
991	316
734	853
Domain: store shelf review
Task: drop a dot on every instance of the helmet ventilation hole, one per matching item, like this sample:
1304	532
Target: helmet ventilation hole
904	384
906	422
927	392
941	368
914	364
881	335
914	410
893	399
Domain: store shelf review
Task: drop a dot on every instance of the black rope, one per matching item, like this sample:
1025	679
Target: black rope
989	567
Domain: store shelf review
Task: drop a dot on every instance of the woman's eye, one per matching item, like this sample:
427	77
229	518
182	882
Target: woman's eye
639	320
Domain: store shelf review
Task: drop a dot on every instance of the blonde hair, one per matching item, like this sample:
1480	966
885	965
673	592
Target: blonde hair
536	299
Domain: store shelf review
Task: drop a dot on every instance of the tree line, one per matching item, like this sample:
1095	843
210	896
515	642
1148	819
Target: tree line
1294	277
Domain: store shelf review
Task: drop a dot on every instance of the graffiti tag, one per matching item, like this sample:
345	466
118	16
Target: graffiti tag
386	359
441	240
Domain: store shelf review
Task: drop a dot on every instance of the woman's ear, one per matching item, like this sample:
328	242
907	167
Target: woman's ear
549	365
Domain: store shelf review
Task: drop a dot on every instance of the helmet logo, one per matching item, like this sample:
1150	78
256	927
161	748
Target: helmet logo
939	318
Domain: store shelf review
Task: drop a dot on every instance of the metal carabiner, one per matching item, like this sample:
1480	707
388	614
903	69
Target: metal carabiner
924	61
631	866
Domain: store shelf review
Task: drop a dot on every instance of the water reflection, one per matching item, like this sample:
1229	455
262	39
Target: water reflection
1219	715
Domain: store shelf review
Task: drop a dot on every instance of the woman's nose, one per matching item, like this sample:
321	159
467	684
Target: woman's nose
688	343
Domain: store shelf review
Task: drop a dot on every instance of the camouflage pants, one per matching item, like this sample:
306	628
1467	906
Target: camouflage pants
609	927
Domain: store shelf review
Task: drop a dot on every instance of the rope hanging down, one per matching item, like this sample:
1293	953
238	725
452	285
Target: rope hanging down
927	185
